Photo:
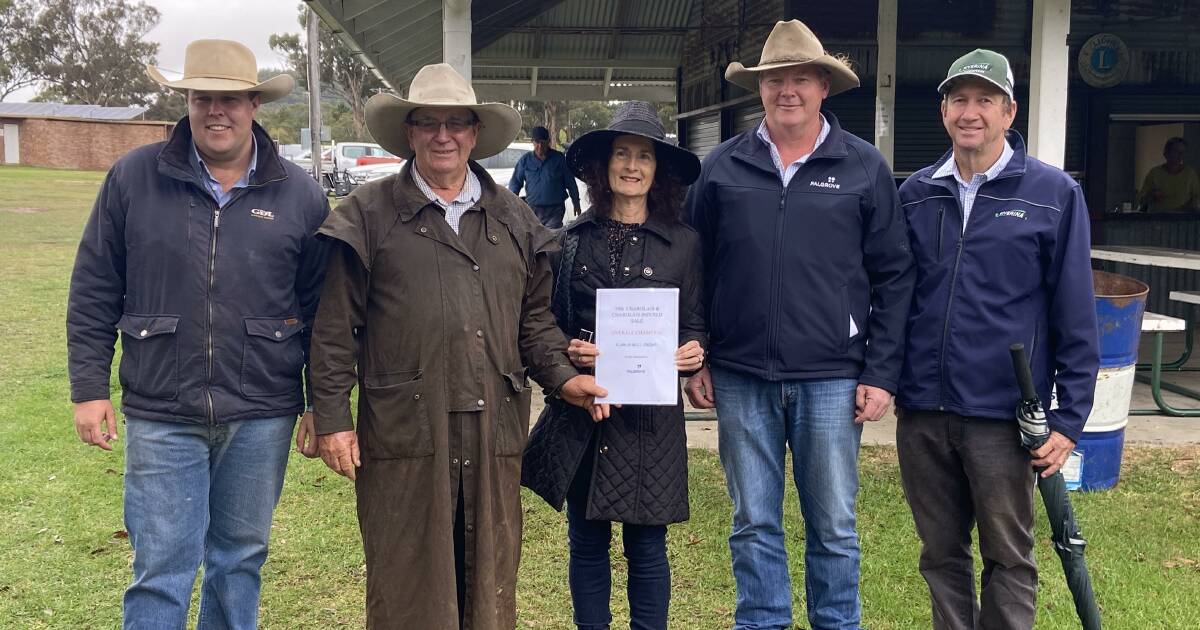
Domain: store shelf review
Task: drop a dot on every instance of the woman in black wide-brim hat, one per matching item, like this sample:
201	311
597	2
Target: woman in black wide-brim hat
632	467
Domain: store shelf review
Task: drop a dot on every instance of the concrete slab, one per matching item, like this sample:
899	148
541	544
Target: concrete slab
1160	430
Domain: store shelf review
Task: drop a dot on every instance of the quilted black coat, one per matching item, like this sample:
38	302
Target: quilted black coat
640	454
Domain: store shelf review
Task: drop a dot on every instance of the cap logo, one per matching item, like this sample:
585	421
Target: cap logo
976	67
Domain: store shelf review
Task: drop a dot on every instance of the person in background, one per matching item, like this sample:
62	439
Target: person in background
631	468
1171	186
547	181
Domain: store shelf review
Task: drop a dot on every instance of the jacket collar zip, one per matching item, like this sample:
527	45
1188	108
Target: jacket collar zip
173	160
752	151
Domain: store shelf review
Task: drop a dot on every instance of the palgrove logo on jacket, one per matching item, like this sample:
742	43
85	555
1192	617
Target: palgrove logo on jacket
830	182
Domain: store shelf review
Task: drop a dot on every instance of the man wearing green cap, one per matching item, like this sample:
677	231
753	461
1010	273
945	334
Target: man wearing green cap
1003	255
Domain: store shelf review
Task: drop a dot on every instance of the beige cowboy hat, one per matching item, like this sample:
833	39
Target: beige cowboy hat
792	43
221	65
439	85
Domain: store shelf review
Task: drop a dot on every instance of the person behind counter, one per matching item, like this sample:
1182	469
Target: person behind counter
1171	186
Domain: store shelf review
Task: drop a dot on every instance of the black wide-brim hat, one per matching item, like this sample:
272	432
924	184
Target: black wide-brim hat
634	118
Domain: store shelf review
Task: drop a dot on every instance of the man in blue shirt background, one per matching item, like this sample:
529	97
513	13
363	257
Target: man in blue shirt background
547	180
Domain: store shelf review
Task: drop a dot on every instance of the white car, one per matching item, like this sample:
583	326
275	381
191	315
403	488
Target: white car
502	165
371	172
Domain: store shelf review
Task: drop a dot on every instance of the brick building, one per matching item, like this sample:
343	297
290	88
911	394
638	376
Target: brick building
83	137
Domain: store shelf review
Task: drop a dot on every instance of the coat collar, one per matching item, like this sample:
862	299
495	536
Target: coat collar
654	224
410	201
1014	168
174	160
751	150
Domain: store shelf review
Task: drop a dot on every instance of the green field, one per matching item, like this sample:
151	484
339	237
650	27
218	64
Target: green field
64	561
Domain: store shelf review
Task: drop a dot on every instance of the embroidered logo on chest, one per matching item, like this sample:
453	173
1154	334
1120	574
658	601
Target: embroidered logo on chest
265	215
1016	214
830	182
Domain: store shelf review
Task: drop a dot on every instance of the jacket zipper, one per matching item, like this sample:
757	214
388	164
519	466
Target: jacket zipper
212	273
772	350
949	299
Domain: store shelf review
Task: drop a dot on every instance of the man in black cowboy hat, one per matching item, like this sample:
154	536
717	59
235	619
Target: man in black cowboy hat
809	279
547	181
201	251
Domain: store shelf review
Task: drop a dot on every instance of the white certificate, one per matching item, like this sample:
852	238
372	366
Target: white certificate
637	333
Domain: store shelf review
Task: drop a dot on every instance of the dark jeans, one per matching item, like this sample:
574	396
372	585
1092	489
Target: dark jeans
958	472
551	216
590	575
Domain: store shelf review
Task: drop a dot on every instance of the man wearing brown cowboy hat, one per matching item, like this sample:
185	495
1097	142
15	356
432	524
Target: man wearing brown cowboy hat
809	280
201	251
437	306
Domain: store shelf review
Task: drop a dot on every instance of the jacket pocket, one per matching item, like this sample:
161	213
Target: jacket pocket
397	417
149	355
272	356
512	422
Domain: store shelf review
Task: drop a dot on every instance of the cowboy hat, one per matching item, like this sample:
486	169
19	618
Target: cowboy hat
792	43
633	118
440	85
221	65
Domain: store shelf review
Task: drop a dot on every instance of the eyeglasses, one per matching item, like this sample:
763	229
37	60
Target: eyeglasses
431	125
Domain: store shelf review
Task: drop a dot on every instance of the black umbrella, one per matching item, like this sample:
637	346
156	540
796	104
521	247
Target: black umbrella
1068	541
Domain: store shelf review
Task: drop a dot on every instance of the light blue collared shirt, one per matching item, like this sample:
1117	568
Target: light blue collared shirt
211	182
785	174
470	193
968	190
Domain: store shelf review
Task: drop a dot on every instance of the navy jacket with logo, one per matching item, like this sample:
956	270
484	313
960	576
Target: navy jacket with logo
214	308
787	269
1020	273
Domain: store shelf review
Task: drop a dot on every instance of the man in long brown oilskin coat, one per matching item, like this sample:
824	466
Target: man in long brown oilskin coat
436	304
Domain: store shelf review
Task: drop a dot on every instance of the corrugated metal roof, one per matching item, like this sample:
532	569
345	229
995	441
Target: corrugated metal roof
94	112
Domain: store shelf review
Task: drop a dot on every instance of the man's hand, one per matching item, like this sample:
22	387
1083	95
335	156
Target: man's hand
339	451
700	390
91	420
306	436
689	356
870	403
1053	454
582	353
582	391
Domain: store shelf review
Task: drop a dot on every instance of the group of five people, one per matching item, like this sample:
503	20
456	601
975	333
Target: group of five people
811	293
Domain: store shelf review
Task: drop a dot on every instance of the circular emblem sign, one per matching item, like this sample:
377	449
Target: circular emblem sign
1103	60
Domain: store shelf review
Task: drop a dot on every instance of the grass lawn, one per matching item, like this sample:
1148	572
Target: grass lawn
64	560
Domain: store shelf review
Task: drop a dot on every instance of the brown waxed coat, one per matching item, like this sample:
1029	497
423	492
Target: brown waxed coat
439	331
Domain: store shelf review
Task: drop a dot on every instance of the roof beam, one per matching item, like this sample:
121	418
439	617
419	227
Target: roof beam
521	62
505	91
355	8
607	81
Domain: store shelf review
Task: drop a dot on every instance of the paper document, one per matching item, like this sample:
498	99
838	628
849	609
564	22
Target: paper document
637	333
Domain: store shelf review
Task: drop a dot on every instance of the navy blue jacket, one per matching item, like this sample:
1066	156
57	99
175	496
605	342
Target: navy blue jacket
547	182
1020	273
214	308
788	268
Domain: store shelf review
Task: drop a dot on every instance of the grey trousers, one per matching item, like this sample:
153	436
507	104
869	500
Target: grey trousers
958	472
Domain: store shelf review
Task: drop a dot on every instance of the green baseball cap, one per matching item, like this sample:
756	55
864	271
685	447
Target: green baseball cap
988	65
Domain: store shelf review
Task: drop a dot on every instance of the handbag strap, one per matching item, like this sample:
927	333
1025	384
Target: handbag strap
560	301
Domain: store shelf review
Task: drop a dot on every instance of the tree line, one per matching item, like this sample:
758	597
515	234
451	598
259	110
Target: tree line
95	52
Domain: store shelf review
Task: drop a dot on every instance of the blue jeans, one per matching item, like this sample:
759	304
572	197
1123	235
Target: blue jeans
200	494
590	573
758	419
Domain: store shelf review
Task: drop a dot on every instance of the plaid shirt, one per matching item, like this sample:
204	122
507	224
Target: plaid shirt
968	190
470	193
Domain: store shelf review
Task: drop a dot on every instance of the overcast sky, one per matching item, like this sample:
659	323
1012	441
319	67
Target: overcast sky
182	21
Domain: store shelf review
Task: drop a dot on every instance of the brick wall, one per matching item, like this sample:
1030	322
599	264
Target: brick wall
81	144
